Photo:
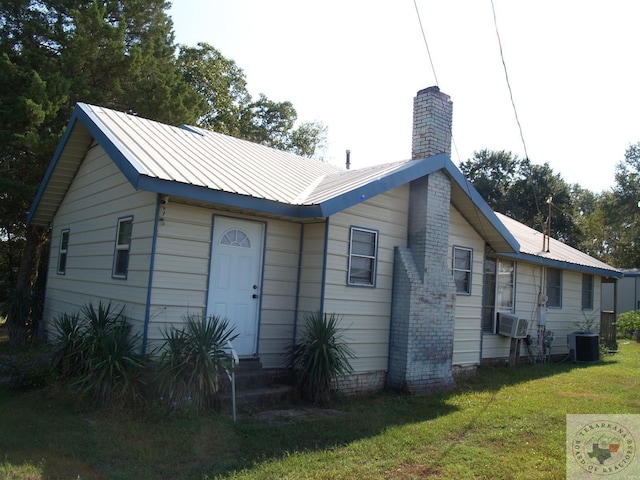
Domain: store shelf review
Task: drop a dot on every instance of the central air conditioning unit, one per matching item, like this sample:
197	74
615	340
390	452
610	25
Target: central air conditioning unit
510	325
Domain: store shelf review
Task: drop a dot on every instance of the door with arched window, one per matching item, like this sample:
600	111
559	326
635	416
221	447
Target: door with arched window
235	278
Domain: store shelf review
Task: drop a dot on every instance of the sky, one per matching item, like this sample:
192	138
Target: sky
356	65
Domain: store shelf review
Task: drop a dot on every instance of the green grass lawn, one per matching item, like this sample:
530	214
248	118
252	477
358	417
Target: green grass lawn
505	423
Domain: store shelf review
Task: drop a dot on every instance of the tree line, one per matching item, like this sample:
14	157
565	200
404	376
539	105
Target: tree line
605	225
122	54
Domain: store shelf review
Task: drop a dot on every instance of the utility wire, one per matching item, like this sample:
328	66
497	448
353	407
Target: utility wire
453	141
433	69
506	75
426	44
513	103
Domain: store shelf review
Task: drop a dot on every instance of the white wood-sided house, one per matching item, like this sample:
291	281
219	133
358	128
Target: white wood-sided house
167	221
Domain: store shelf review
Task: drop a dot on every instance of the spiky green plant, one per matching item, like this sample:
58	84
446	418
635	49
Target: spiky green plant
321	356
67	355
193	360
98	351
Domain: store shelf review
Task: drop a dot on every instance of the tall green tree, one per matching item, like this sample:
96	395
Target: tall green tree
122	56
54	53
33	92
231	110
621	212
521	190
492	173
221	85
599	233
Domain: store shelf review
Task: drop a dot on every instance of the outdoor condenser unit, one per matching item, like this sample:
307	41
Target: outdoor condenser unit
510	325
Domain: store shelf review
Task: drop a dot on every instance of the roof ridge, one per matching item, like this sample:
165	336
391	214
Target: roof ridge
304	194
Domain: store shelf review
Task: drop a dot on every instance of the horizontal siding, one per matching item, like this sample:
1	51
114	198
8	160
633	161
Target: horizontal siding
181	275
181	266
279	291
98	196
312	262
468	315
560	321
366	311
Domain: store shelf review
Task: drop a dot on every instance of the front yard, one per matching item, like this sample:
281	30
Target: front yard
504	423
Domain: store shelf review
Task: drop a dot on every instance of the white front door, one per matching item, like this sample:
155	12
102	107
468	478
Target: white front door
234	279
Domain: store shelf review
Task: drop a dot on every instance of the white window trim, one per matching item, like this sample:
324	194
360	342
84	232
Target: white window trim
469	272
121	247
63	251
374	257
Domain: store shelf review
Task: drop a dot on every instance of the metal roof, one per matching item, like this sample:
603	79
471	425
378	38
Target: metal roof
559	255
199	157
201	165
204	166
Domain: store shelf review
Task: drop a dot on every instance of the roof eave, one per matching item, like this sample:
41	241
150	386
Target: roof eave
206	195
549	262
81	115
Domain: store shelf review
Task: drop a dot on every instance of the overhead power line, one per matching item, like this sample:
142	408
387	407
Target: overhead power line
426	44
506	75
433	69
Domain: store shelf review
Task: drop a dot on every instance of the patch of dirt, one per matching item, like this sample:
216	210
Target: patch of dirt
291	415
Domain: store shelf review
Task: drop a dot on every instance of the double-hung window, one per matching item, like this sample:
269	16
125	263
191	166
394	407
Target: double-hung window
363	252
63	249
587	291
554	287
123	245
462	261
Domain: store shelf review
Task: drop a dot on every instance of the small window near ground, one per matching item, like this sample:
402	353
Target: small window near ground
363	250
554	287
462	261
123	245
587	291
62	251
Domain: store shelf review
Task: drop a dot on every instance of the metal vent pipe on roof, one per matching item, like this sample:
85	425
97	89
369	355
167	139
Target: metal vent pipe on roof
348	159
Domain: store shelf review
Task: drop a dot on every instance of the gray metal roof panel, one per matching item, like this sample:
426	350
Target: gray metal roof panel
530	241
336	184
208	159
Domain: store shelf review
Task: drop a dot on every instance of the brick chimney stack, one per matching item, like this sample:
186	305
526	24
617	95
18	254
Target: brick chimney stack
432	120
424	294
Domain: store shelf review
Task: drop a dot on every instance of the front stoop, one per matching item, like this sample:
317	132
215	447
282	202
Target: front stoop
258	389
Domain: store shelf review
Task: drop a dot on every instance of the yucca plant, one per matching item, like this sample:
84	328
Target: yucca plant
193	360
67	356
97	349
321	356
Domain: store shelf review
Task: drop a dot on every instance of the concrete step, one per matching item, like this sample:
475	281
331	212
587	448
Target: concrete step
248	365
251	375
258	399
257	388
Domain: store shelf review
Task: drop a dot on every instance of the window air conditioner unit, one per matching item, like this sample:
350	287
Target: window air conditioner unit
510	325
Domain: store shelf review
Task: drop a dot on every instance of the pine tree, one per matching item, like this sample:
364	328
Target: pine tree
54	53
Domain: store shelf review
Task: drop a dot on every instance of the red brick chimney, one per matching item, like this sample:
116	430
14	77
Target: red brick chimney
432	119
